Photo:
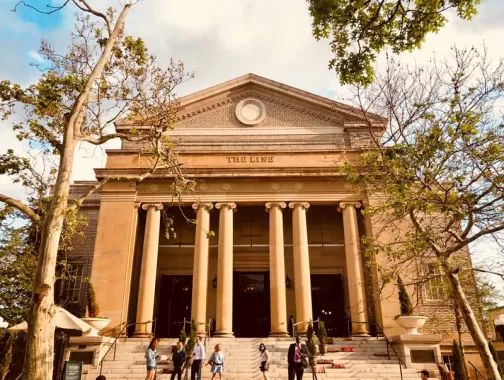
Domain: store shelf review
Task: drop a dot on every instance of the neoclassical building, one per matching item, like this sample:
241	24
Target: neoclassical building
271	235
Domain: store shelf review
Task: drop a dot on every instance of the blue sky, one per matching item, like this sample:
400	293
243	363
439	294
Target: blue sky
219	40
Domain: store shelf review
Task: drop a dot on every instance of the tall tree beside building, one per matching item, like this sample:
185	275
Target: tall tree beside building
359	30
104	76
438	166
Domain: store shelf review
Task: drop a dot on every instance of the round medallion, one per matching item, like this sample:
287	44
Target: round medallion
250	112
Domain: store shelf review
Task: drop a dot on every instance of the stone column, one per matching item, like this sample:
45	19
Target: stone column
302	283
277	270
354	270
200	268
224	312
147	286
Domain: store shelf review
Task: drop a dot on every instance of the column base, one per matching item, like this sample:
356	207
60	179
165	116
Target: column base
279	334
142	334
361	335
223	334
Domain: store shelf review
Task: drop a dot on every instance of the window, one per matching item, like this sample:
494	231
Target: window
71	285
434	286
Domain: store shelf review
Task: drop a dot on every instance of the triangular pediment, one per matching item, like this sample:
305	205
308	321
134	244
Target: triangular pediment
284	107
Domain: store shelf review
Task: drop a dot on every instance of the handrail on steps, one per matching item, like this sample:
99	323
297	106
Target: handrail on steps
207	328
114	344
301	323
477	371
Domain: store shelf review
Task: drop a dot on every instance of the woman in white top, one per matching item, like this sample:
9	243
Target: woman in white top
264	360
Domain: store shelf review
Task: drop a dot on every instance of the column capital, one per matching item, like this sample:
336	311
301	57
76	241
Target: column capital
343	205
304	205
270	205
209	206
157	206
231	205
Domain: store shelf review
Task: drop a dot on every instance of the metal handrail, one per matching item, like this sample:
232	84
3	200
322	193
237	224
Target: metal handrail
476	371
207	327
301	323
388	344
114	344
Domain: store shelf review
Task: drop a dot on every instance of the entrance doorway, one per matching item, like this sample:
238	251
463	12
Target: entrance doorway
251	304
174	305
328	303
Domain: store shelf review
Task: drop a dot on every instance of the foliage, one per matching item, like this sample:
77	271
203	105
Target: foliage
93	307
6	346
434	176
404	298
322	332
359	30
189	348
311	344
104	87
459	364
496	357
182	336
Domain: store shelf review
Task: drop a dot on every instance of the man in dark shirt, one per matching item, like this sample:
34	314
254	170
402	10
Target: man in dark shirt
297	355
178	358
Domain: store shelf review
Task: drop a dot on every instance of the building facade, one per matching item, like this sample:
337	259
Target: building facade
270	237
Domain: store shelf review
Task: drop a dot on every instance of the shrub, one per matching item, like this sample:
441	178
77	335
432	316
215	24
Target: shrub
182	336
322	333
93	307
311	344
6	345
192	338
404	299
459	364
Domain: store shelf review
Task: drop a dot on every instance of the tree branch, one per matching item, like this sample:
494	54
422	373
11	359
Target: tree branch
54	9
25	209
111	136
89	9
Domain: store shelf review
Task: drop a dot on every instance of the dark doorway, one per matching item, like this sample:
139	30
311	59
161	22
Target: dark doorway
328	302
174	305
251	304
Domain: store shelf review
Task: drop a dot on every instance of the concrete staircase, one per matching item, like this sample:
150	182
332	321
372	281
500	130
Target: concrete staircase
242	360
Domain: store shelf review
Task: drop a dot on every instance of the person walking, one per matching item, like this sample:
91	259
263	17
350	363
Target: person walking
151	356
296	358
264	361
199	357
217	362
178	359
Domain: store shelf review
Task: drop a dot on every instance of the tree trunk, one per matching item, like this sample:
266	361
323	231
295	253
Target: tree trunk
40	343
474	329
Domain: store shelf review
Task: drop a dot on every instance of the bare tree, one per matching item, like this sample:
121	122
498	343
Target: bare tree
437	172
104	76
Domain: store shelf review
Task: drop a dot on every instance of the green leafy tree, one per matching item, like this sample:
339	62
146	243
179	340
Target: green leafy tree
404	298
434	175
6	346
183	336
104	76
359	30
459	364
311	344
322	332
93	307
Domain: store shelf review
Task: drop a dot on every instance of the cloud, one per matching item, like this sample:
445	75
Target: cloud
36	56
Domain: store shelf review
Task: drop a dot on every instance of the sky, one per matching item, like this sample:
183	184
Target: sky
220	40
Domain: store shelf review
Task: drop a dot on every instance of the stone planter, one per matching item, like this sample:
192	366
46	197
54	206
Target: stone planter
322	348
411	323
97	323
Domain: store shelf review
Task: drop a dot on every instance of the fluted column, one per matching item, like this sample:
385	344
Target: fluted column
200	267
277	270
224	312
354	268
147	286
302	283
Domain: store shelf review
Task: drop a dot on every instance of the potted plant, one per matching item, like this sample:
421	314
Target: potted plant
93	311
311	345
189	348
411	323
322	335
